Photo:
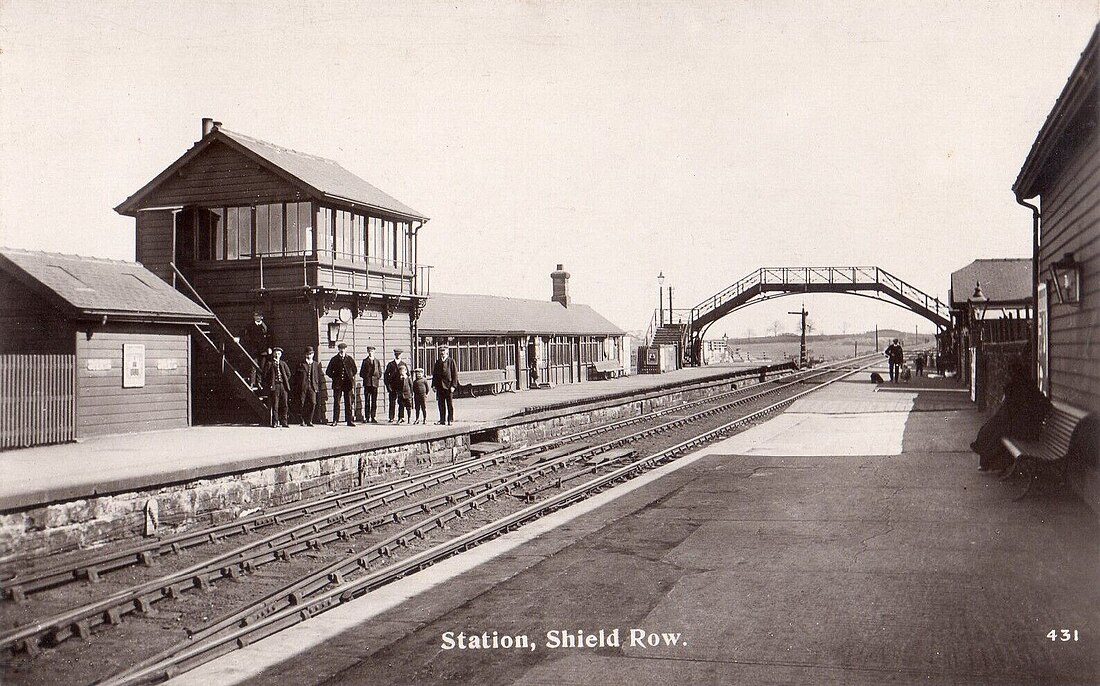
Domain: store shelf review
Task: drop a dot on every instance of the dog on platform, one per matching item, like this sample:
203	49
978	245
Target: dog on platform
906	373
877	378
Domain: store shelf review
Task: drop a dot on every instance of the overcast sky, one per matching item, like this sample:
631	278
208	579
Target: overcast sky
698	139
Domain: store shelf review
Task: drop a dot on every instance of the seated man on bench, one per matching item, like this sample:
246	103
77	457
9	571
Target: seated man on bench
1020	415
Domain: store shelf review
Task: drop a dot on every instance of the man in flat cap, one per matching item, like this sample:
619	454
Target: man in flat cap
276	379
393	380
308	380
341	369
371	373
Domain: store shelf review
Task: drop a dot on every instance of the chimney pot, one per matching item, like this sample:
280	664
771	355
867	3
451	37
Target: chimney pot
207	126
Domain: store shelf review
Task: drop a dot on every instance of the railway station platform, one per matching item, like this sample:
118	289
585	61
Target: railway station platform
132	462
850	539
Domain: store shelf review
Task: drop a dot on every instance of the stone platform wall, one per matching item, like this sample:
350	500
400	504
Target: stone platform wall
87	523
91	522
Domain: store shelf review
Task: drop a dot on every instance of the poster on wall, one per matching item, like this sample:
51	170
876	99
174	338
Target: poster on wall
973	374
1042	361
133	365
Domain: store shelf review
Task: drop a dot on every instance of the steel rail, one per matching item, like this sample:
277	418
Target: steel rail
232	563
31	581
259	623
319	531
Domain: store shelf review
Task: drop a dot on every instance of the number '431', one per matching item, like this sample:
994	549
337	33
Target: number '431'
1063	635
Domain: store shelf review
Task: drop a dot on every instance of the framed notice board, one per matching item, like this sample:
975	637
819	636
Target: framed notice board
133	365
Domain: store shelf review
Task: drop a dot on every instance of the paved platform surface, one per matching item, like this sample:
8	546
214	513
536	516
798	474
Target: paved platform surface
112	464
850	540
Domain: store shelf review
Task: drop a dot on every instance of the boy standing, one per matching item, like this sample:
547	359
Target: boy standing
420	396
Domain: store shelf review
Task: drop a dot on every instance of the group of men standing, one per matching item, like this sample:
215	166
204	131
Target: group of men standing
310	388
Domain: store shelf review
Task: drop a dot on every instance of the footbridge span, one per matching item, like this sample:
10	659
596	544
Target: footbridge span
775	282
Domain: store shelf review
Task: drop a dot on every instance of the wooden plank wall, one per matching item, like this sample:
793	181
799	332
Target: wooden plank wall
369	329
153	247
105	407
221	176
37	400
1071	223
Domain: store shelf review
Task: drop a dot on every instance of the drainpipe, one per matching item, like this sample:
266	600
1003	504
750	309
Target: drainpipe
1034	281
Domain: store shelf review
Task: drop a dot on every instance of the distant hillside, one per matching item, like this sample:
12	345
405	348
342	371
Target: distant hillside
825	347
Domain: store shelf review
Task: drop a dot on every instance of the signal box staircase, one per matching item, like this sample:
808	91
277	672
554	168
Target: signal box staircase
235	364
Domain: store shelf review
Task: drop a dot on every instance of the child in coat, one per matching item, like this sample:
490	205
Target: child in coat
420	395
404	394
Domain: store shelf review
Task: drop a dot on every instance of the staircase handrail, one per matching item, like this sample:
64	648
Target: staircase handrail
225	330
651	329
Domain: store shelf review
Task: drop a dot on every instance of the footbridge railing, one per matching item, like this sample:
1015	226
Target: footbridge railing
774	282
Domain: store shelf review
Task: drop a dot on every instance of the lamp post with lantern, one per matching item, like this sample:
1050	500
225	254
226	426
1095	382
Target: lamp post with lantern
661	298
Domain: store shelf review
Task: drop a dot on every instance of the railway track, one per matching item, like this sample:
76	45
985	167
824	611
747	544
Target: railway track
92	569
520	475
332	586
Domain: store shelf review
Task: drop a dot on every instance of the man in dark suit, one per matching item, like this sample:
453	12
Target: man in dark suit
393	381
258	339
341	369
371	373
308	380
445	381
276	379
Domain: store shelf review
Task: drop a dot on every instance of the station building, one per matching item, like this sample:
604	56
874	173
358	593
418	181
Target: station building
526	343
991	313
243	225
1058	182
89	347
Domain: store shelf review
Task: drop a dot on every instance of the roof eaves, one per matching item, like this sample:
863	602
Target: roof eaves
1079	86
359	203
146	316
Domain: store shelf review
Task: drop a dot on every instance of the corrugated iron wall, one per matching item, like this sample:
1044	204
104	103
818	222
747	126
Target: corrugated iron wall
37	400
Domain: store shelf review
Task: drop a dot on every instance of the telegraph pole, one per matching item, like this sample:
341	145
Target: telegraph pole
802	346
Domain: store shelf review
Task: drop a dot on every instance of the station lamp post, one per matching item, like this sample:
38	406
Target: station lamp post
661	298
979	305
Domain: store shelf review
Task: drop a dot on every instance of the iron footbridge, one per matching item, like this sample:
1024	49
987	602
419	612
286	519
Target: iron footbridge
775	282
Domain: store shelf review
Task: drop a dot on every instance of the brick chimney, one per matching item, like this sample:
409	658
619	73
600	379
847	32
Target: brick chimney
560	277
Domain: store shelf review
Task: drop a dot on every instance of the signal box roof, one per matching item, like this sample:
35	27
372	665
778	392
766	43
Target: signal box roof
96	287
317	176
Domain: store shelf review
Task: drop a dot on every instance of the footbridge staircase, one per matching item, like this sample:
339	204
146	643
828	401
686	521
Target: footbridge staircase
774	282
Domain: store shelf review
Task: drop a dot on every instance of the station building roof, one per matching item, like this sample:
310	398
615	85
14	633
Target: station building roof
468	314
1004	281
96	287
317	176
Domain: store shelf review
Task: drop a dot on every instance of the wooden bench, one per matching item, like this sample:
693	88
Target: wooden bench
605	369
1058	441
495	379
